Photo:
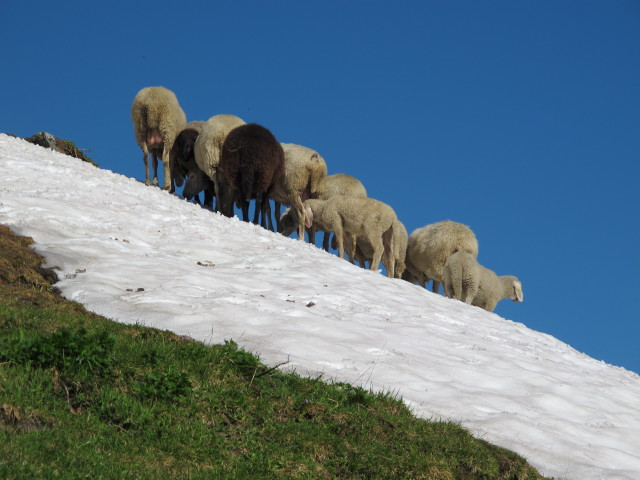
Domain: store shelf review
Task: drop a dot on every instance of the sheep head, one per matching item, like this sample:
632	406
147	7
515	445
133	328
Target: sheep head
518	294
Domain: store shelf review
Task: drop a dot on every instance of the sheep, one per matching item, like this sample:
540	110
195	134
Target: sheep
183	166
466	280
417	277
400	241
461	276
252	162
304	172
157	119
355	216
429	247
364	250
330	186
207	153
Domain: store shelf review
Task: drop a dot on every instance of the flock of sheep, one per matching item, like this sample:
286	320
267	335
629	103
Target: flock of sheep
236	162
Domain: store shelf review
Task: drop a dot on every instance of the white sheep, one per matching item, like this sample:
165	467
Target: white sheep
430	246
207	152
304	172
461	276
157	119
330	186
400	241
358	217
364	250
466	280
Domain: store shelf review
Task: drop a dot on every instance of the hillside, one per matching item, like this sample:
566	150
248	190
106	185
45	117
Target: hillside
139	255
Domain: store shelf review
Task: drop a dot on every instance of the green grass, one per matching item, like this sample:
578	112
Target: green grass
85	397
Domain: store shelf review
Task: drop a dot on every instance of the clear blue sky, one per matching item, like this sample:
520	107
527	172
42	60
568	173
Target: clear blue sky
520	119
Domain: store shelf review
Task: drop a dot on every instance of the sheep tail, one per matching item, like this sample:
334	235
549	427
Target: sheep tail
246	184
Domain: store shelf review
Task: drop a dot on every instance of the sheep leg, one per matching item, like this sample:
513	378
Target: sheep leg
167	167
378	250
245	210
265	210
266	213
223	194
388	253
277	213
352	247
256	211
302	216
145	159
154	160
435	287
339	236
216	192
208	197
325	241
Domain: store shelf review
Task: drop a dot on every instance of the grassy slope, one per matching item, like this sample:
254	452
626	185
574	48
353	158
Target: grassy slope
85	397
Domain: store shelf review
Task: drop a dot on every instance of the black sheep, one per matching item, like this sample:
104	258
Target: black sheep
183	166
252	161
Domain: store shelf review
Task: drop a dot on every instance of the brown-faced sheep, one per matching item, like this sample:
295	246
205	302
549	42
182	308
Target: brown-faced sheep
252	161
429	247
157	119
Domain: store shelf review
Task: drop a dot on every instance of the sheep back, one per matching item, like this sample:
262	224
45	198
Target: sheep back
355	216
429	247
303	174
364	251
209	143
251	160
182	157
341	184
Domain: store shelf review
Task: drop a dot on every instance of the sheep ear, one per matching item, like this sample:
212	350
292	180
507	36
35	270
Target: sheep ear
519	294
308	217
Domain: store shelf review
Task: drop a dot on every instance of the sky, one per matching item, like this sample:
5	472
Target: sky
137	254
519	119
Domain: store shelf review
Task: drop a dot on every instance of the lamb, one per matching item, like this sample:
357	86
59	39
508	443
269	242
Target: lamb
157	119
183	166
400	241
207	153
304	172
466	280
330	186
429	247
364	250
358	217
461	276
252	162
